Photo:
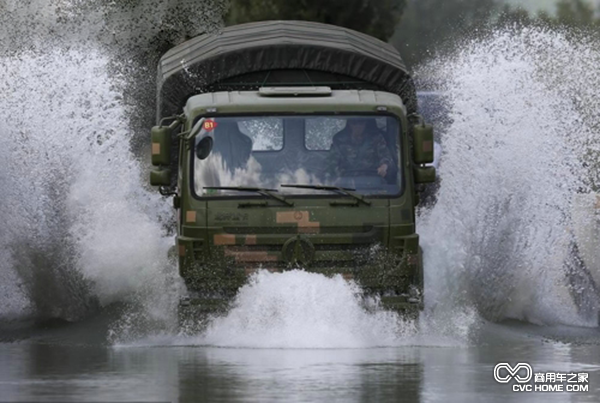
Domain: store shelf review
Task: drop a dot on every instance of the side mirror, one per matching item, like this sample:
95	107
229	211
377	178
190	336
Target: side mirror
161	145
424	174
160	177
204	148
423	144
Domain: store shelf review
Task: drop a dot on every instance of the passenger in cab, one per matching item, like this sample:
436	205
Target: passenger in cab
359	150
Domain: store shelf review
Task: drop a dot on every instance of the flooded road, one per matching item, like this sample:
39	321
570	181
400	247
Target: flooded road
62	365
511	267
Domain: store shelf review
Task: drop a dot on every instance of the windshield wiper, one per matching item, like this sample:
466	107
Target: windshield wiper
345	191
261	191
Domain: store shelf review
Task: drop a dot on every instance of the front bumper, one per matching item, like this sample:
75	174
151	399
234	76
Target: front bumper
219	268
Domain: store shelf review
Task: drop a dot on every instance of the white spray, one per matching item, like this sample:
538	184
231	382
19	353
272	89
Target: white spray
523	109
80	229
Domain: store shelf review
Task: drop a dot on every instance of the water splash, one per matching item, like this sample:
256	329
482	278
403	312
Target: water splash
80	229
497	242
524	107
301	310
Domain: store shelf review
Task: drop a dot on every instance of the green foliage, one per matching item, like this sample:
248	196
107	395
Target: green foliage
430	26
579	14
575	13
515	16
374	17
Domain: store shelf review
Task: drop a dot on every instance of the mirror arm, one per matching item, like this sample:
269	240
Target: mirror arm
416	117
187	136
195	130
165	191
177	120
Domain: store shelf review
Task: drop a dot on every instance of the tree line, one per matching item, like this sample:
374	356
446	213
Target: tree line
419	29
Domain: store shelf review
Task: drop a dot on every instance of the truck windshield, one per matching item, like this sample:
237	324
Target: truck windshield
358	152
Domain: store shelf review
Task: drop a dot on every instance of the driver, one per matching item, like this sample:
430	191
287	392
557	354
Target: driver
359	149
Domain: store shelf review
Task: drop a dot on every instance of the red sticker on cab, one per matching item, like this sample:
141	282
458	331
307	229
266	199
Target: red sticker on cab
210	125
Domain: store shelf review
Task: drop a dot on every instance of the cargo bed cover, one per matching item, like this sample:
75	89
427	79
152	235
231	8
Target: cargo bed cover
247	56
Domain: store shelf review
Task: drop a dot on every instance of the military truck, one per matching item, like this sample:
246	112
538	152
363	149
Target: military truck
272	139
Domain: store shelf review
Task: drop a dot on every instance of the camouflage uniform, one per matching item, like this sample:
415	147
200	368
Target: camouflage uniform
370	154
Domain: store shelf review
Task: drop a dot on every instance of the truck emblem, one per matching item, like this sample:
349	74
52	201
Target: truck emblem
298	251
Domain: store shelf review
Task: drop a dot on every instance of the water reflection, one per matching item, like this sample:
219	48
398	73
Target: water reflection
364	375
47	370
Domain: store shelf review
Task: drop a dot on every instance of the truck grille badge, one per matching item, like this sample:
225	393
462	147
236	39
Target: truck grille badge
298	251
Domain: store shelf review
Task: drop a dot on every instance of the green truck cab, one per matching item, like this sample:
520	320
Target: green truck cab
292	145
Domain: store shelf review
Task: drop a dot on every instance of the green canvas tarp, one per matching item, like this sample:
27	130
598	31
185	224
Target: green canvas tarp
248	56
